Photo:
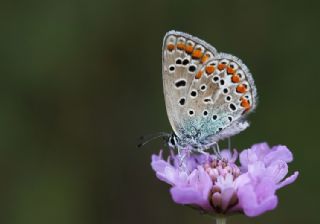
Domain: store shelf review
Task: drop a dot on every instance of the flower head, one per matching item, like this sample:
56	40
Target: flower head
219	186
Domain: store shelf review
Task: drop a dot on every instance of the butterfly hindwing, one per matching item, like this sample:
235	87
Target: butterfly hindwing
207	93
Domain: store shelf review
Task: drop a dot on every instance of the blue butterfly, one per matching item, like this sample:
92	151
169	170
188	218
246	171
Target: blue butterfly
208	94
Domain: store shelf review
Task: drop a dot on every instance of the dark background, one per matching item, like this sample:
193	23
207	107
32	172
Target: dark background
80	81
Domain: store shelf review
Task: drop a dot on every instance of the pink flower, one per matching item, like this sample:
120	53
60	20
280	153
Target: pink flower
219	186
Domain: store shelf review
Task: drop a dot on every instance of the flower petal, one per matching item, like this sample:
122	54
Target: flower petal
288	180
166	172
228	155
226	196
189	196
255	153
257	199
277	170
279	152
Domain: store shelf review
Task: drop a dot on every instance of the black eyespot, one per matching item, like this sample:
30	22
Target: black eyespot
228	98
230	119
191	112
193	93
181	83
182	101
203	87
222	82
185	62
171	68
192	68
220	129
172	141
247	97
214	117
224	62
231	66
216	78
207	100
225	90
232	107
205	113
178	61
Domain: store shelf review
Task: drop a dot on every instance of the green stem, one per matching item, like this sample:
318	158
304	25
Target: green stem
221	221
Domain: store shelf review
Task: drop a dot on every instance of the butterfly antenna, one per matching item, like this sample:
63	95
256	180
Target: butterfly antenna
148	138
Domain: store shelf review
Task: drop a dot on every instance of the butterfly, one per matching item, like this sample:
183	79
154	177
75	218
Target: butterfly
208	94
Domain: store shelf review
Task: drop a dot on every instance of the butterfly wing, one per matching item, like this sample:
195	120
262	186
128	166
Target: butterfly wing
207	93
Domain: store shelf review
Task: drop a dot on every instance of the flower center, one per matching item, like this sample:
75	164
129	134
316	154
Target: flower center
223	174
221	167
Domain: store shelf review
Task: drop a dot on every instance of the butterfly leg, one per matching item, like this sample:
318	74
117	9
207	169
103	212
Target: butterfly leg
182	154
216	150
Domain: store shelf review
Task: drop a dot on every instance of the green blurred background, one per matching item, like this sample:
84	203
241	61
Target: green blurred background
81	81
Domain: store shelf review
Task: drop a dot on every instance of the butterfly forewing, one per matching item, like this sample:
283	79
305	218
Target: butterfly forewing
207	94
183	56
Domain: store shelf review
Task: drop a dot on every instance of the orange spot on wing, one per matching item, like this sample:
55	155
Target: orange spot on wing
204	58
189	49
222	66
181	46
210	69
230	70
245	103
197	54
199	74
241	88
170	47
235	79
